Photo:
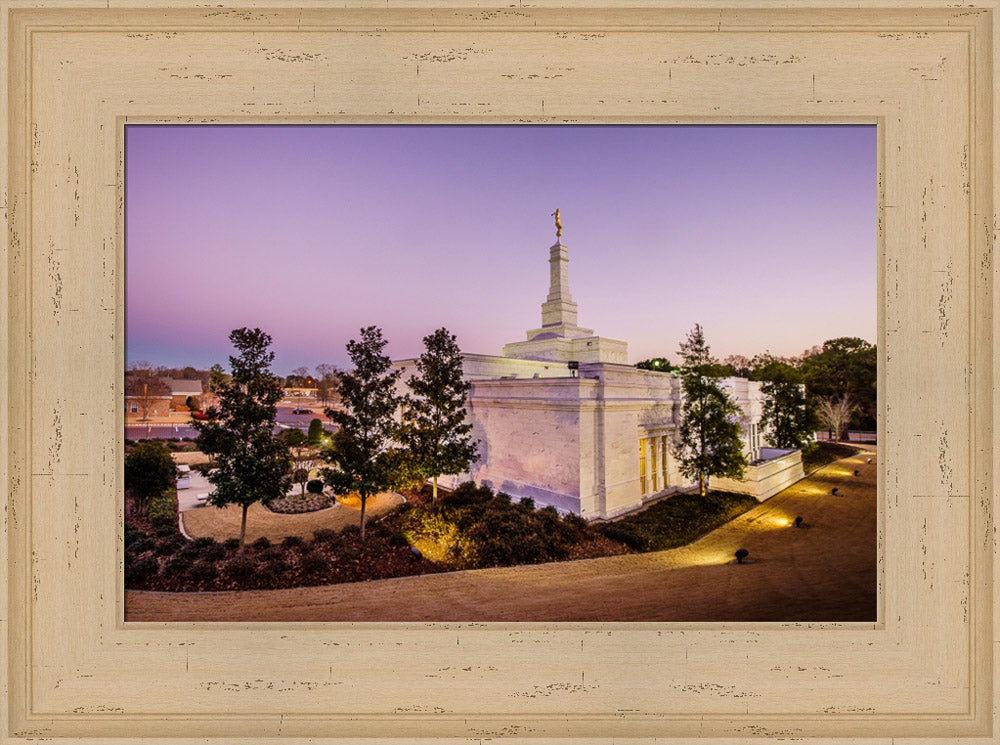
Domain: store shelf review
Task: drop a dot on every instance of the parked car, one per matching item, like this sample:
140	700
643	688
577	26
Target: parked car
302	411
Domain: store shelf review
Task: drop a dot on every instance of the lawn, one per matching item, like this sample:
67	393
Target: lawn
826	452
677	520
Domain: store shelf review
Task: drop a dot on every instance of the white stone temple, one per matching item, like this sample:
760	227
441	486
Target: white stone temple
563	418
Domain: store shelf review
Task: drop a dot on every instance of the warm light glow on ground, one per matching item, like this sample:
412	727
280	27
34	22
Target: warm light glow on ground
350	500
837	471
812	489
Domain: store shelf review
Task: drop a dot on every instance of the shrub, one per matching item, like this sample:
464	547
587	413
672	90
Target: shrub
274	552
140	570
398	540
169	544
203	571
349	553
142	545
312	562
165	529
275	568
133	534
162	510
231	544
178	564
467	493
315	433
190	550
315	486
324	535
577	524
240	567
292	541
262	542
437	537
209	549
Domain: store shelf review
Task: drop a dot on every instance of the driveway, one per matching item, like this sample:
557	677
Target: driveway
824	572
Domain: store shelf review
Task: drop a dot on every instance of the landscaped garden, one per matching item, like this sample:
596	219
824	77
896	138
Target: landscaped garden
470	528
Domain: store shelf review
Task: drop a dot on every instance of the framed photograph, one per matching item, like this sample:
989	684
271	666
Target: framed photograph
76	79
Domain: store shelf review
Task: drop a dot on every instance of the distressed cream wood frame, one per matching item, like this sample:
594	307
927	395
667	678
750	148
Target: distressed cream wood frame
75	72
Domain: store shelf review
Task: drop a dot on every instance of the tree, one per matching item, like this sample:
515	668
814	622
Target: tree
326	382
660	364
298	445
252	464
215	379
709	442
835	414
211	441
144	386
149	471
787	417
436	431
363	453
845	365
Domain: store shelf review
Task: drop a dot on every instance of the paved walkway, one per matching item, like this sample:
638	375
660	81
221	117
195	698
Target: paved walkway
826	572
221	523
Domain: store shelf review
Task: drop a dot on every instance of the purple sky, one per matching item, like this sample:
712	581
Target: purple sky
763	234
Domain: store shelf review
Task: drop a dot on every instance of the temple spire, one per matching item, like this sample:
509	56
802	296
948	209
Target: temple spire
558	308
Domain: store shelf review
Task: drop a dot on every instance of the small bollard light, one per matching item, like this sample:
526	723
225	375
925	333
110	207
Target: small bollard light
741	554
835	491
857	472
869	461
798	521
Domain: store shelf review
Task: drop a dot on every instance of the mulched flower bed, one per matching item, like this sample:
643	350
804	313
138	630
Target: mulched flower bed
469	528
298	503
172	563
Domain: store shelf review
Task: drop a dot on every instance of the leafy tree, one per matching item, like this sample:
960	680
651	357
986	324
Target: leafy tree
436	430
301	476
193	403
217	378
252	464
363	453
144	385
835	414
788	418
660	364
149	471
846	365
709	442
315	434
211	441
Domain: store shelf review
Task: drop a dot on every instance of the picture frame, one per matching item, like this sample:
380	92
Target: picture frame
76	72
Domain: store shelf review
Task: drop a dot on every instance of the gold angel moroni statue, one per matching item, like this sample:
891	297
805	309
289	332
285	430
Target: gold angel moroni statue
558	224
